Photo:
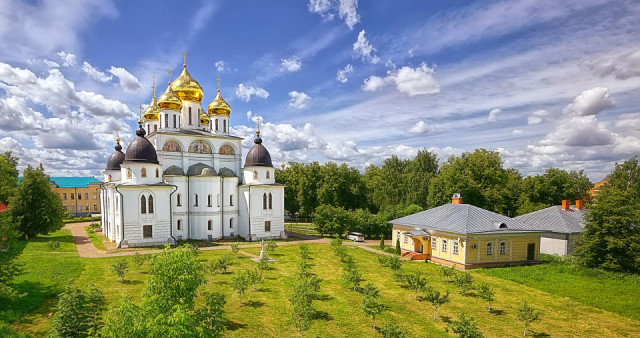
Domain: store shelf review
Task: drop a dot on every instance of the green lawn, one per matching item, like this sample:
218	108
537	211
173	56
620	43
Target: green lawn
95	239
606	290
264	311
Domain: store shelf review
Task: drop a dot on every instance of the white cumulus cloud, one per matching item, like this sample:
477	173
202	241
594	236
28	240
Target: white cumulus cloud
95	74
494	114
408	80
298	100
291	64
245	92
345	9
538	117
127	80
67	59
591	102
363	48
420	128
373	83
341	76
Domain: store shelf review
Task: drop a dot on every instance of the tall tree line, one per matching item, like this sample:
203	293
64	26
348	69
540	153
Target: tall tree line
480	176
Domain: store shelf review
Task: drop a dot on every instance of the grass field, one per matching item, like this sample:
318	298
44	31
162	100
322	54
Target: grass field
95	238
264	311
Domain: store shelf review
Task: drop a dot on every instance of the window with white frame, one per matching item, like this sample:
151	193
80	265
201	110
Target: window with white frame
406	239
434	243
444	245
503	248
489	248
455	248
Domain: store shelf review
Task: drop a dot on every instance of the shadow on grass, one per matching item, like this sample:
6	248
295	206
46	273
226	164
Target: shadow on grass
323	315
232	326
497	312
445	319
324	297
263	290
255	304
537	333
36	295
131	282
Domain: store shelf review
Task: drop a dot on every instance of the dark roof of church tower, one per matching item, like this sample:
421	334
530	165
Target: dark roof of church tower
258	156
116	158
141	150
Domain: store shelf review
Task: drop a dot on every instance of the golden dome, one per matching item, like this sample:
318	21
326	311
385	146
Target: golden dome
152	113
204	119
186	87
219	106
169	100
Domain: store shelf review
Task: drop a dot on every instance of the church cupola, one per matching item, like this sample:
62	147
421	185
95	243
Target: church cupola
186	87
140	150
170	107
152	113
219	112
116	158
258	168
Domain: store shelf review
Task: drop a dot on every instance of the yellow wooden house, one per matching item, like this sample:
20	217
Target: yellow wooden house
466	237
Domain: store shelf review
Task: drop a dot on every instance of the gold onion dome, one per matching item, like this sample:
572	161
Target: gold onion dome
186	87
152	113
204	119
219	106
169	100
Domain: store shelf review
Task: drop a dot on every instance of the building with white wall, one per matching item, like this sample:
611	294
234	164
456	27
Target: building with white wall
185	179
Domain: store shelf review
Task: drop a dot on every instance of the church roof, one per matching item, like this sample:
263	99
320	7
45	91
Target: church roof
140	150
258	155
174	170
116	158
226	172
201	169
464	219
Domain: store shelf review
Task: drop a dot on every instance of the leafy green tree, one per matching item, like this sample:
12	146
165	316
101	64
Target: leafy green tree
34	207
263	263
465	327
398	250
8	231
139	259
304	251
550	188
78	312
436	299
464	282
394	263
119	268
240	283
213	314
371	304
254	277
222	264
352	275
271	245
392	330
381	242
416	282
612	236
486	292
235	247
331	220
448	272
479	176
8	176
8	270
125	319
527	315
305	290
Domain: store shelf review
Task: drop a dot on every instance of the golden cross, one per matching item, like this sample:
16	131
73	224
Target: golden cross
154	86
117	135
169	71
258	131
184	54
140	107
218	85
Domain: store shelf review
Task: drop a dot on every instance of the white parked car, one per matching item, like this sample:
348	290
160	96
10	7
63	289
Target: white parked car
355	236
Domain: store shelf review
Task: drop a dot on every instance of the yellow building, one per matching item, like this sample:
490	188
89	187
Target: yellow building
596	188
466	237
80	195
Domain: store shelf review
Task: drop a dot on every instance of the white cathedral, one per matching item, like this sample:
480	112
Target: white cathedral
185	179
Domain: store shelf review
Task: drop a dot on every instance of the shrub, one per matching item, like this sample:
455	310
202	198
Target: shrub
119	268
464	281
139	259
304	251
78	313
235	247
392	330
527	315
53	245
398	251
382	243
465	327
271	245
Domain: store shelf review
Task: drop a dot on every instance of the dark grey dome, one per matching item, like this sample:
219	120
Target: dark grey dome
258	156
226	172
201	169
116	158
141	150
174	170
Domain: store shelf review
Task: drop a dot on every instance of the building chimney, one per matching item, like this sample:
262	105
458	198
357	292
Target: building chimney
456	199
565	204
579	204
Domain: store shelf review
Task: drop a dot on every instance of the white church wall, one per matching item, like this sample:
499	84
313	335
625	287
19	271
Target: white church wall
135	220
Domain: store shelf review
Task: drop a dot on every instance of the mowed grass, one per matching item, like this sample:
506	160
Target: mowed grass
95	239
615	292
264	312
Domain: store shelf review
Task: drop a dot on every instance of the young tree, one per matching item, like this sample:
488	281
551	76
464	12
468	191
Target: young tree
78	312
371	304
486	292
464	281
392	330
416	281
448	272
302	309
223	263
235	247
352	275
240	283
398	250
394	263
528	315
263	263
8	270
382	242
119	268
34	207
139	259
271	245
254	277
336	244
436	299
213	314
465	327
304	251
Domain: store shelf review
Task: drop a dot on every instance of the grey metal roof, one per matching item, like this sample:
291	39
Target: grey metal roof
201	169
226	172
463	219
556	219
174	170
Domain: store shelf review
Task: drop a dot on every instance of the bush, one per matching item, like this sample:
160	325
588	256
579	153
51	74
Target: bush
392	330
271	245
53	245
465	327
119	268
235	247
78	313
464	281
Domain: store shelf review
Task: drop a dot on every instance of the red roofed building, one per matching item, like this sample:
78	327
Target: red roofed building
3	207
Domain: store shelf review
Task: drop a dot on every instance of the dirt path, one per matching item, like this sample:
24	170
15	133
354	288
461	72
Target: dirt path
86	248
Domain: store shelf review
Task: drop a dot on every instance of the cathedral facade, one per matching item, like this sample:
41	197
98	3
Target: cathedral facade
182	177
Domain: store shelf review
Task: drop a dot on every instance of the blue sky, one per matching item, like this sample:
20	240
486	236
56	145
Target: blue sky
547	83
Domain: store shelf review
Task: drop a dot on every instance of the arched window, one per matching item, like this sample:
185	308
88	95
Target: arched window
264	201
157	173
255	175
231	200
217	125
150	204
200	147
195	198
128	173
179	224
209	200
224	126
155	127
270	201
172	145
179	200
268	174
210	225
143	205
189	115
226	149
230	223
143	172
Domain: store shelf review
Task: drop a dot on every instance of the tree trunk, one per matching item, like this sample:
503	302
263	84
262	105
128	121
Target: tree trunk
489	306
525	329
434	313
374	323
415	296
